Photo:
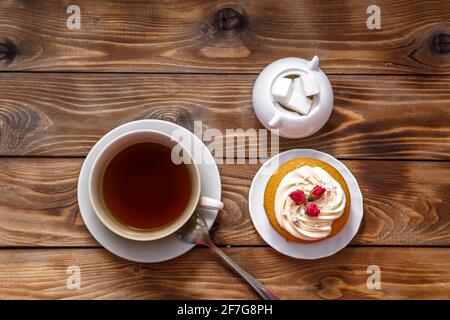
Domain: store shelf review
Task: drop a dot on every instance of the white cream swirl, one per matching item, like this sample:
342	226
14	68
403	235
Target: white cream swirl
293	217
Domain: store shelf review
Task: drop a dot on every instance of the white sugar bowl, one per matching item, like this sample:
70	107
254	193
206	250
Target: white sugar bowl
278	115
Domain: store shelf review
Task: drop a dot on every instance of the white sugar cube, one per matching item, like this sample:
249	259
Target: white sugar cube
297	85
298	102
309	84
282	89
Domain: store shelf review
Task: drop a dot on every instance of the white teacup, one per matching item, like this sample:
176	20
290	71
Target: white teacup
108	219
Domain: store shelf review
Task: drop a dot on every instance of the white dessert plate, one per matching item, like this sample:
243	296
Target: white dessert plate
314	250
158	250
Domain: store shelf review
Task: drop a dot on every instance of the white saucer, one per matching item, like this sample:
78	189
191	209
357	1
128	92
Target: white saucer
158	250
315	250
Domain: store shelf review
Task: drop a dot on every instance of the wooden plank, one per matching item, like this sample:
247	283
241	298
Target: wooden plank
374	116
405	203
214	36
406	273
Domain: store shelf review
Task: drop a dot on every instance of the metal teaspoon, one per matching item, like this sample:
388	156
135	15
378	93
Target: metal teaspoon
196	231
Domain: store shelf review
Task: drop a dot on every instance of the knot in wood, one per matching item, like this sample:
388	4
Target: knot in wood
8	50
228	19
441	43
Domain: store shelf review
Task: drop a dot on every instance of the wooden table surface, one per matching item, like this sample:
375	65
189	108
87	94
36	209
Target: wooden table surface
182	61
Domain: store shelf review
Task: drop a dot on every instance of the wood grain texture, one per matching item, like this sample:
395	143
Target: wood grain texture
183	61
405	203
401	117
406	273
196	36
